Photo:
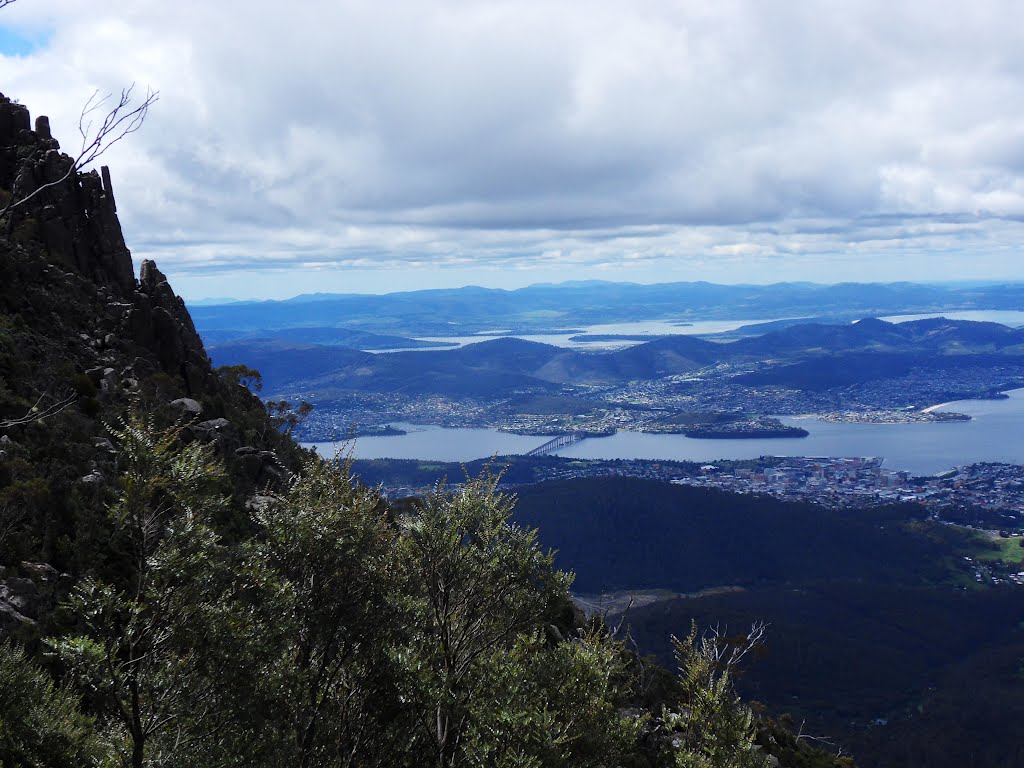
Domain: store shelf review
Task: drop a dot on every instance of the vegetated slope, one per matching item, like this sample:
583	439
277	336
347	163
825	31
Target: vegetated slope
286	363
626	533
497	367
908	676
867	623
970	715
826	372
935	335
652	360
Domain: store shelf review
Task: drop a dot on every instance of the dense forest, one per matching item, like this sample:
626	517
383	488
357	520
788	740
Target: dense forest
343	633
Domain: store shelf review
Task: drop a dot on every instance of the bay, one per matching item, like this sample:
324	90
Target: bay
429	442
1012	318
638	328
994	434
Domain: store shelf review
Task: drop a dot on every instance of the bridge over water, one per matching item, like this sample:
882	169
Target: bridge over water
557	442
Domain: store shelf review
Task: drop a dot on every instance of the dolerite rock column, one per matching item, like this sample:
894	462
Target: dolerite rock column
75	219
159	321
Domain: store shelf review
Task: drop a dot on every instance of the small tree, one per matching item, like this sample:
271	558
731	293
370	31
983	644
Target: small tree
553	704
710	725
286	418
40	723
480	584
325	554
242	375
140	654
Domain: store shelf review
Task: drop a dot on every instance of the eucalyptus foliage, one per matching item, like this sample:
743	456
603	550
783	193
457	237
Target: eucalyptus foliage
337	632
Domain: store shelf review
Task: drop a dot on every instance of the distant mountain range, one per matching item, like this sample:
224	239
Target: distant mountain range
472	309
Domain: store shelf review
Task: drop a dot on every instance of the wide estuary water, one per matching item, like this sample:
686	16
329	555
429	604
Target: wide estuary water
995	433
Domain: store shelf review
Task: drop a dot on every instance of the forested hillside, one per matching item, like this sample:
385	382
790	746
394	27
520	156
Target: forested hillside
880	637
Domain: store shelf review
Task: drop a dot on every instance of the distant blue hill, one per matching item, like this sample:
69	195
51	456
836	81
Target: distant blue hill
473	309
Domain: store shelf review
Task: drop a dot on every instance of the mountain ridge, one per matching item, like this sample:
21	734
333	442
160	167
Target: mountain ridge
547	366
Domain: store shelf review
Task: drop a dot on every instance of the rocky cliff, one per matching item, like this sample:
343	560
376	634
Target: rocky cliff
74	226
76	219
82	344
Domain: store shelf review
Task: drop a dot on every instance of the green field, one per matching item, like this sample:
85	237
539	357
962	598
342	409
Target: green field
994	547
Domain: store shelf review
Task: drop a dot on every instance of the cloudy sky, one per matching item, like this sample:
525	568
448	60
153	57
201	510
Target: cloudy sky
375	146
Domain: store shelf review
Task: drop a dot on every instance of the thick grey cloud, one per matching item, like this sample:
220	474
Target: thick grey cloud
707	137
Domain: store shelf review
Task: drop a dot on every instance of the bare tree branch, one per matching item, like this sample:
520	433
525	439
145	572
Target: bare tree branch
622	619
37	411
5	3
819	739
123	119
9	518
728	652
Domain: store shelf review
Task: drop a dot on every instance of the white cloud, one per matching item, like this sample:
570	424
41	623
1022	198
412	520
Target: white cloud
540	134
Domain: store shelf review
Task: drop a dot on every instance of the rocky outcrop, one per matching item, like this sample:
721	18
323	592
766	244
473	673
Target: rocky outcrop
75	217
77	327
76	222
27	592
159	321
261	468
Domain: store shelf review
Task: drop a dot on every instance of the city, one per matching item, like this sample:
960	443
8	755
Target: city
652	405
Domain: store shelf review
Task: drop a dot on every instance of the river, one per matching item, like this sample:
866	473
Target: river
995	434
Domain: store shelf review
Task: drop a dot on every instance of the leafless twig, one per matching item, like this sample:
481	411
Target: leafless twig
5	3
9	519
37	411
819	739
728	652
623	617
123	119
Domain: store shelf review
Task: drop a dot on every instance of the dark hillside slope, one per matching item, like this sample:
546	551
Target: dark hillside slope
286	364
494	368
938	335
626	533
844	369
506	354
651	360
936	670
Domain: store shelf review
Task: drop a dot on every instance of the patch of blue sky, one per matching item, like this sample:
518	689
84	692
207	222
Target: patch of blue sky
15	42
